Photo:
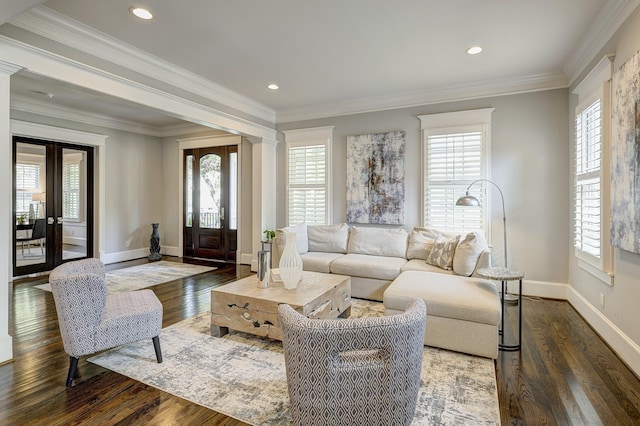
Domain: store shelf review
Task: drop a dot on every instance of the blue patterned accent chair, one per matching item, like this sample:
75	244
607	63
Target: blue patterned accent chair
91	321
361	371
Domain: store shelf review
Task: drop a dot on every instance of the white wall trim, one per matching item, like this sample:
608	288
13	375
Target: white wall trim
484	89
42	131
248	259
58	27
546	289
621	344
23	104
41	62
122	256
600	32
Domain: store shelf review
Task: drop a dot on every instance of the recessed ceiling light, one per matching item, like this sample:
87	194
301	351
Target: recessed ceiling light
273	86
141	13
474	50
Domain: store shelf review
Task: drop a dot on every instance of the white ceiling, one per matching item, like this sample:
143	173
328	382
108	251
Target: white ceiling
351	55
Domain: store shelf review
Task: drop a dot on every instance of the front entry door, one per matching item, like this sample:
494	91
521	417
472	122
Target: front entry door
210	204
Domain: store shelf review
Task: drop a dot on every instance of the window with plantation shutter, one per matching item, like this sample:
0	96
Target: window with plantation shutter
308	197
71	191
591	173
587	180
454	157
27	183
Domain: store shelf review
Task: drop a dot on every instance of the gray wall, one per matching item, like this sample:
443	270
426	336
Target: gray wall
621	299
530	162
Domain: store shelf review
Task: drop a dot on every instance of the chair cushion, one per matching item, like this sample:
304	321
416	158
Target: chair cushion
362	265
128	317
319	261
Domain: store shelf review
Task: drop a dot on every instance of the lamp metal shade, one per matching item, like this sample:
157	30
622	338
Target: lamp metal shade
468	201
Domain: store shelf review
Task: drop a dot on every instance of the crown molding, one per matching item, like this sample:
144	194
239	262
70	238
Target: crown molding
600	32
42	62
23	104
60	28
489	88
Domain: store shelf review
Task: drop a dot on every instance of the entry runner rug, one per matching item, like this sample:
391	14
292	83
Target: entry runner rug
244	376
146	275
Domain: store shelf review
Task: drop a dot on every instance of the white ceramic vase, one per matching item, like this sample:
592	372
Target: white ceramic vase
290	263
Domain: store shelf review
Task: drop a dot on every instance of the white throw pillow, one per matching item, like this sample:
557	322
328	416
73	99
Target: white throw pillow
443	252
421	243
468	252
378	241
302	238
328	238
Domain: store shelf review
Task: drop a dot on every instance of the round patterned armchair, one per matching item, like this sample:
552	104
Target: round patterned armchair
362	371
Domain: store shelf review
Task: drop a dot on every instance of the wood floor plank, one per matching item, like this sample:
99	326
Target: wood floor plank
564	374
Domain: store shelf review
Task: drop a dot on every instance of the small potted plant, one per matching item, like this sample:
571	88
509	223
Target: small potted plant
269	235
22	219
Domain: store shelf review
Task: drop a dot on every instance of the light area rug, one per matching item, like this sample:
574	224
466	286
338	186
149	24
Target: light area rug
146	275
244	376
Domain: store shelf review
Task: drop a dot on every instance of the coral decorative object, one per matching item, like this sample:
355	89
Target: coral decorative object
290	263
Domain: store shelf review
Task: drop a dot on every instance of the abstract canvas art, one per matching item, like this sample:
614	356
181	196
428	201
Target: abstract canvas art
625	156
375	178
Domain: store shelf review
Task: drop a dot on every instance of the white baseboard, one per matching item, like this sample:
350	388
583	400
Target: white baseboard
621	344
546	289
249	259
123	256
171	251
6	348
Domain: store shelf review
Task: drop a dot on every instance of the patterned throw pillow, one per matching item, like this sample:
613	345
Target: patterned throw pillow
442	252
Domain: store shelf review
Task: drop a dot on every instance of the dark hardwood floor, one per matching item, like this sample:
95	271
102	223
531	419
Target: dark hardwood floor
564	375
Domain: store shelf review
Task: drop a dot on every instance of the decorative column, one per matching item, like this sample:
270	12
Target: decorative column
263	190
6	210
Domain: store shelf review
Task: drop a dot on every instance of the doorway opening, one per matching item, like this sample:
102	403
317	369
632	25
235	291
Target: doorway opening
53	204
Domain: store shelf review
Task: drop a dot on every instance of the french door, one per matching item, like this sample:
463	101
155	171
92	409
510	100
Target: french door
210	225
53	204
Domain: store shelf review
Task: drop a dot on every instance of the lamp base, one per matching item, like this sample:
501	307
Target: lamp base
510	299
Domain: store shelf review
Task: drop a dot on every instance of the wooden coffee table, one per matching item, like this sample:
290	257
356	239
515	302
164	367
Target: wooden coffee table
243	306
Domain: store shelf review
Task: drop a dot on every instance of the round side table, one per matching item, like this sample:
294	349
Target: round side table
504	275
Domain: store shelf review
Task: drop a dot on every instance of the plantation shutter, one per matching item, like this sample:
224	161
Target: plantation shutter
307	183
27	183
587	180
453	161
71	191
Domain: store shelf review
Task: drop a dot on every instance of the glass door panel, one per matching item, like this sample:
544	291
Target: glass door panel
74	204
30	195
211	210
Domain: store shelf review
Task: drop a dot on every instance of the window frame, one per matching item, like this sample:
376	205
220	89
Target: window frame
315	136
470	121
596	85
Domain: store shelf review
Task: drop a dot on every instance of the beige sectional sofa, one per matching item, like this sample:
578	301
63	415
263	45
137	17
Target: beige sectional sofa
393	266
374	256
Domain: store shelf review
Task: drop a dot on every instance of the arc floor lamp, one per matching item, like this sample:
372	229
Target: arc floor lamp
471	201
